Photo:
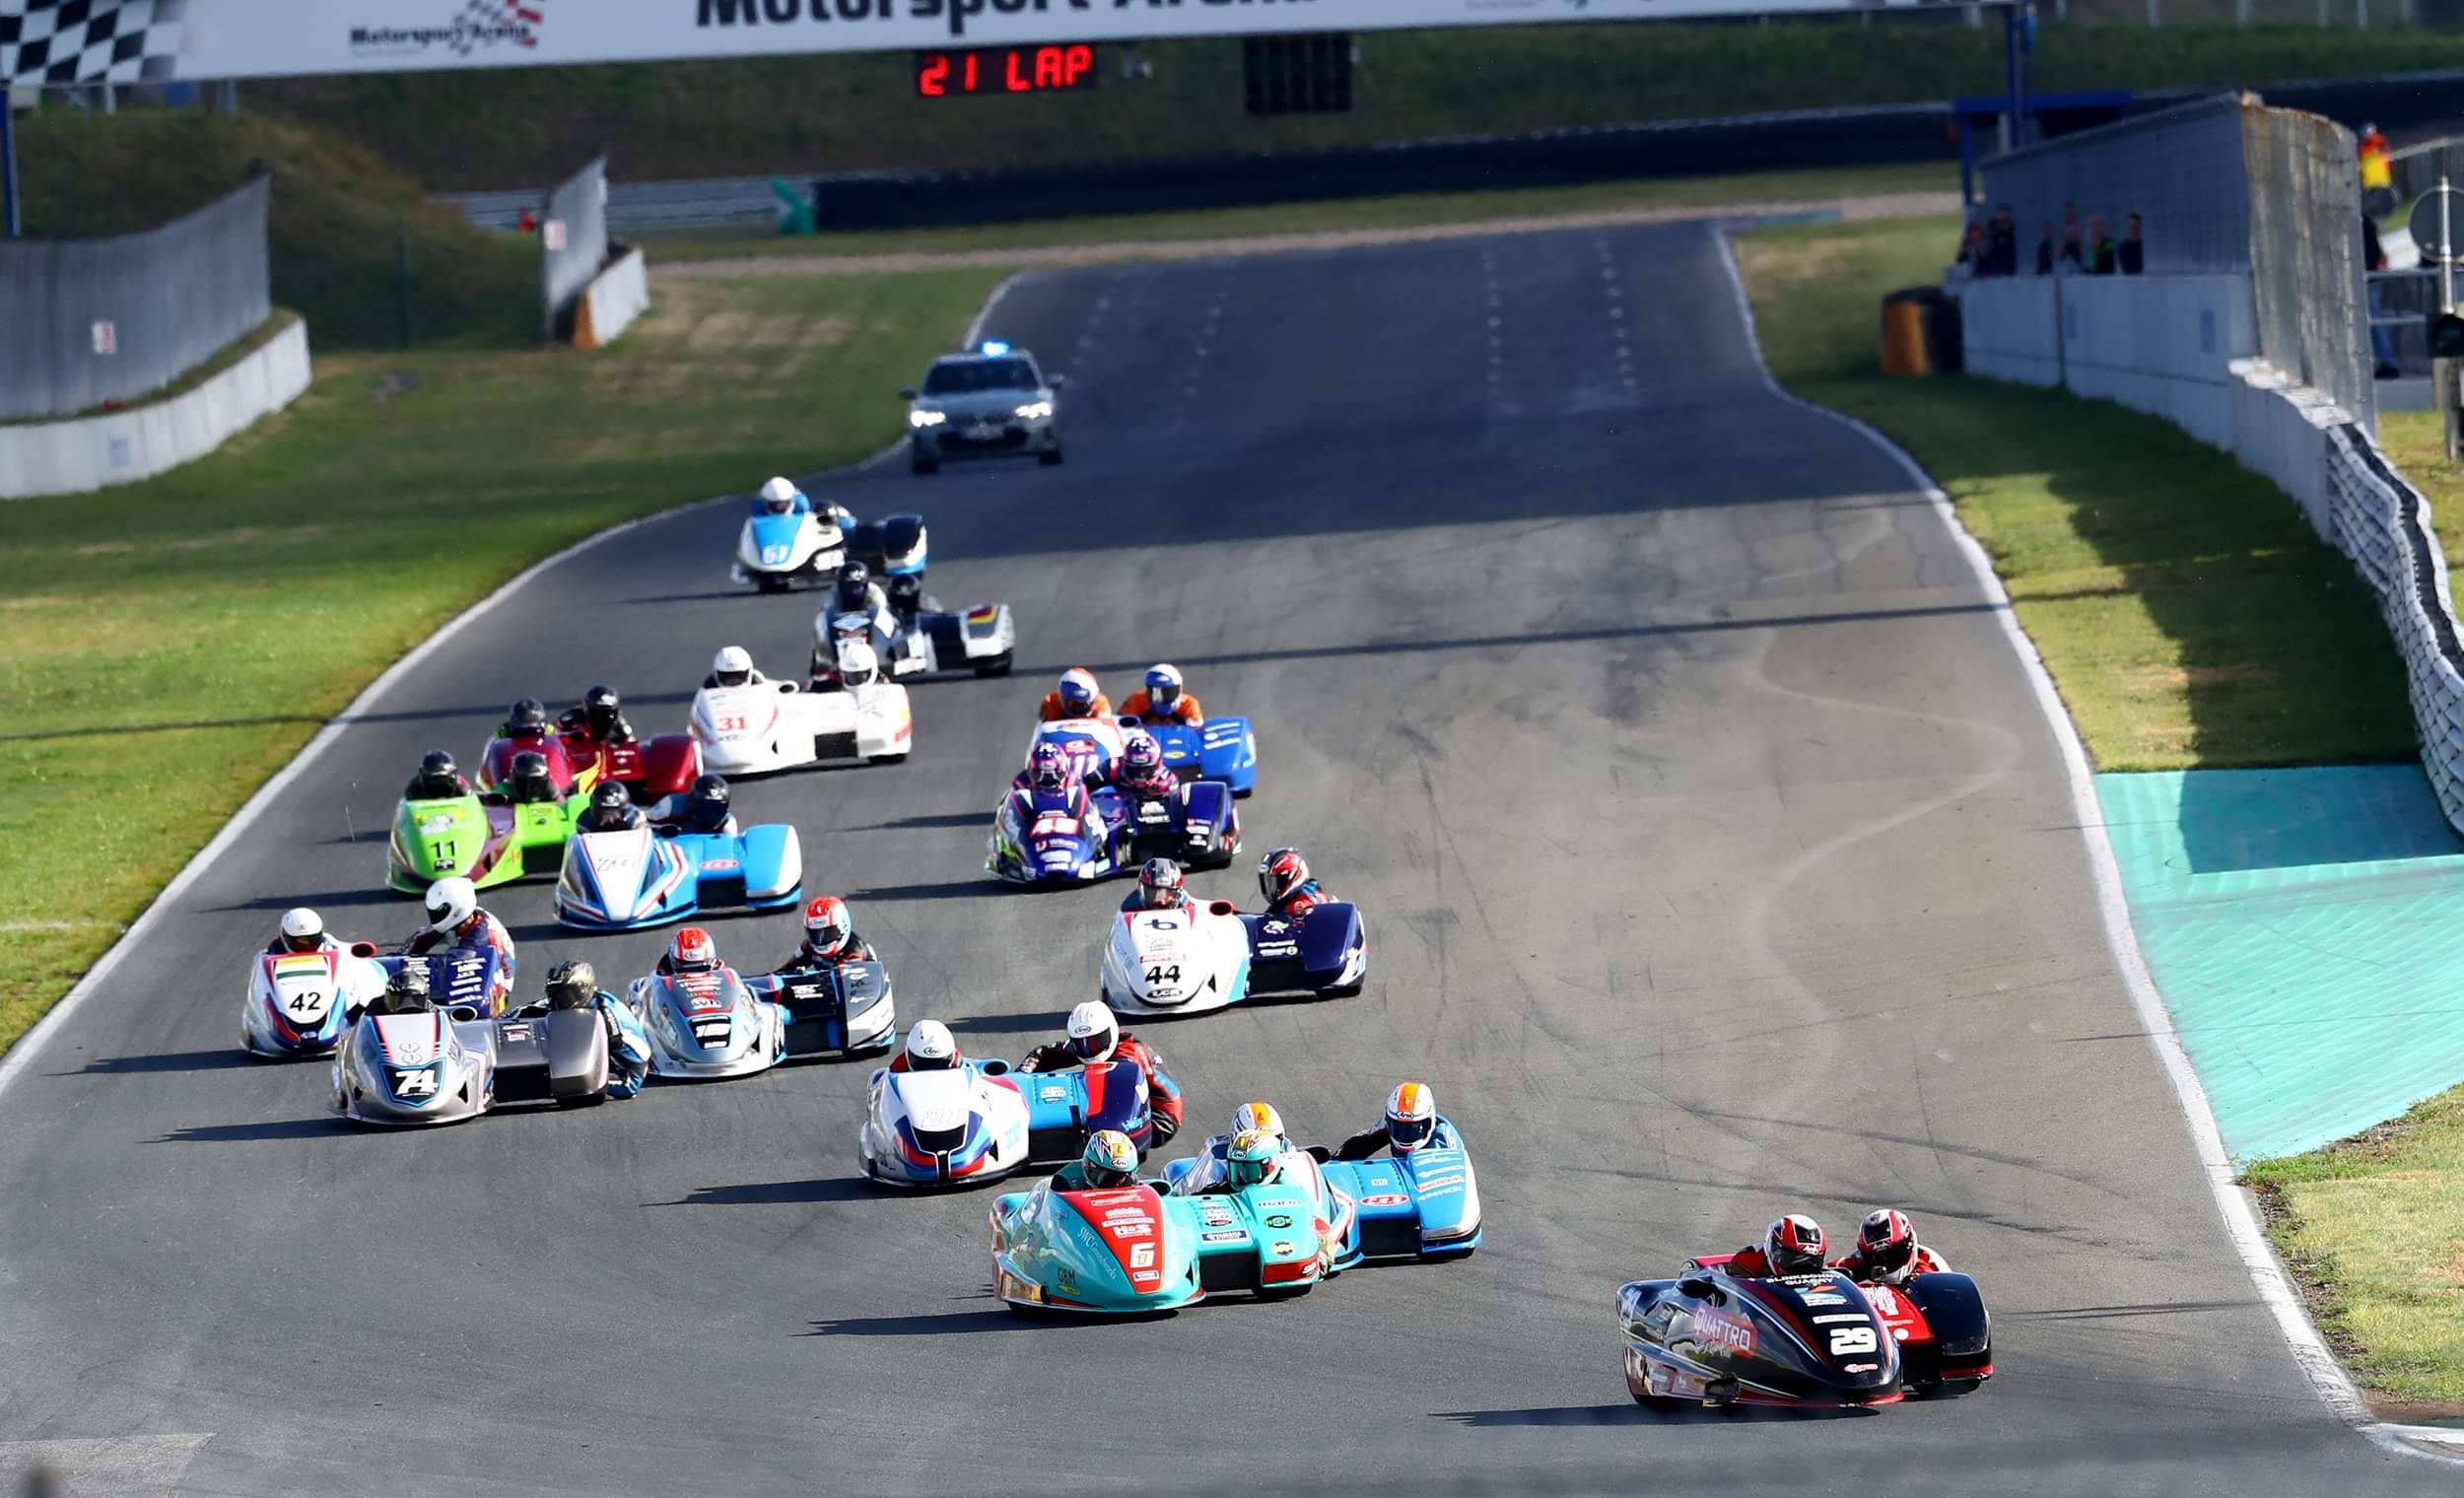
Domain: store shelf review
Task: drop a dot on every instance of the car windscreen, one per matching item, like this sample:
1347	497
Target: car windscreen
972	376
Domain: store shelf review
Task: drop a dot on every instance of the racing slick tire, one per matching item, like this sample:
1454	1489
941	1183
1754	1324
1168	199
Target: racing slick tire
769	582
998	665
887	759
583	1099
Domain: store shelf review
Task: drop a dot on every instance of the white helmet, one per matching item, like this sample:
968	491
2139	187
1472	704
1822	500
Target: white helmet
450	901
930	1046
1094	1035
732	665
778	491
303	929
1257	1117
858	665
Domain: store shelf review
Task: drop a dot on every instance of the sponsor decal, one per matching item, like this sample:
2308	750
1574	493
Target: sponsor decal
1858	1367
1281	1246
1052	1094
1820	1299
1279	1220
460	27
1215	1214
1118	1213
715	866
1716	1329
1131	1229
1223	1235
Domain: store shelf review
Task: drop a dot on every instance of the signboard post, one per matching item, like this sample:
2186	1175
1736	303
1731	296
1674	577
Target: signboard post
2433	225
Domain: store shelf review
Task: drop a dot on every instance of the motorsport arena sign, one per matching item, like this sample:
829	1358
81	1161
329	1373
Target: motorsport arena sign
79	41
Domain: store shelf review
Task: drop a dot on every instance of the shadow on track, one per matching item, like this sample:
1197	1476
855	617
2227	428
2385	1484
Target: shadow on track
940	1324
953	889
363	896
318	1126
780	1192
1012	1024
1627	1412
229	1059
935	822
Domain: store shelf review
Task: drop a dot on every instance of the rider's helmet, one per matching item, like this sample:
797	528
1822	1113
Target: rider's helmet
692	951
526	780
1251	1158
1410	1116
604	708
1048	767
1142	758
1794	1245
930	1046
611	806
1257	1117
573	986
303	929
1163	686
1078	692
828	928
406	991
1280	872
1093	1032
858	665
732	666
451	904
527	715
855	593
709	807
778	496
439	775
1111	1160
1160	886
1887	1242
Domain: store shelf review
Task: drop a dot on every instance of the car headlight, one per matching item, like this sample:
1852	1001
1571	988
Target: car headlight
923	417
1035	410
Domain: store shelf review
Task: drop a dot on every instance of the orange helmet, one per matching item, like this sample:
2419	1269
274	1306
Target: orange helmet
693	951
1410	1116
828	928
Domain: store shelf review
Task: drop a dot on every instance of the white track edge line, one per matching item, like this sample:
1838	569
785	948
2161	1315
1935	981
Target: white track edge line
2334	1387
20	1056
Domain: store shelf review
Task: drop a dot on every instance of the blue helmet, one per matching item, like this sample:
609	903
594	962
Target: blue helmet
1163	685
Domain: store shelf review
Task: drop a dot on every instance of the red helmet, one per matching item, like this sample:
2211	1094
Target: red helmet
1280	872
1794	1245
693	951
828	928
1887	1241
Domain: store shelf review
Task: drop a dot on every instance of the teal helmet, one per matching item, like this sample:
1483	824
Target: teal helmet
1110	1158
1250	1159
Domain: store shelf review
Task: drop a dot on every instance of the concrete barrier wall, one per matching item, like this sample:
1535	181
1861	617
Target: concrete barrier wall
612	300
125	446
2158	344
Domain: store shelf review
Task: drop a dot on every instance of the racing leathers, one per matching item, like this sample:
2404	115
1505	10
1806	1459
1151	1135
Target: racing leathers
1365	1144
1185	711
805	959
1157	784
1304	897
481	930
575	723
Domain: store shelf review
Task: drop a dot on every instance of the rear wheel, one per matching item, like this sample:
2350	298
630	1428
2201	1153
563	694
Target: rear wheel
583	1100
887	759
998	665
769	583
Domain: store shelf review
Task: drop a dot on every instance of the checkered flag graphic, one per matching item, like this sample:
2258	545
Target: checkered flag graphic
84	41
483	23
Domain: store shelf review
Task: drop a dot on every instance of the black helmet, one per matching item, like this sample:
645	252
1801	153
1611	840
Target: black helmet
610	795
710	790
601	705
527	779
529	714
571	985
437	765
406	991
855	586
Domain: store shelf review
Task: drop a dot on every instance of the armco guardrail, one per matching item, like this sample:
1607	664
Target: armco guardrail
2382	523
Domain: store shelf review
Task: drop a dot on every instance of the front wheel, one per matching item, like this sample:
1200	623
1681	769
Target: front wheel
583	1100
769	583
998	665
887	759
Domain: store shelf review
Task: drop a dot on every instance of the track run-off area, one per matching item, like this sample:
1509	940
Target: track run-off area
1717	857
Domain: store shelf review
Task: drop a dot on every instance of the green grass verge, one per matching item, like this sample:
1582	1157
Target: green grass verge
164	650
521	128
2375	1229
1404	211
2187	613
340	223
2416	442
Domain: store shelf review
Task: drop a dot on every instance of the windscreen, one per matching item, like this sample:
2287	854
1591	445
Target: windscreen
979	375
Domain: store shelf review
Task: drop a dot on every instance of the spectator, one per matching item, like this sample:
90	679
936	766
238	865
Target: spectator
2378	182
2100	253
1972	261
2132	252
529	223
2382	342
2044	251
2002	243
2069	262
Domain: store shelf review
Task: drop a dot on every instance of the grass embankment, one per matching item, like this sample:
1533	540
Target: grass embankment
331	227
521	129
2185	609
165	648
1675	194
2375	1228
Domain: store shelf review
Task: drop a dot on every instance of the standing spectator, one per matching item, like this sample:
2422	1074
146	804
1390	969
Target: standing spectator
2069	261
529	223
2382	342
2378	180
2099	253
2002	243
2044	251
2132	252
1972	261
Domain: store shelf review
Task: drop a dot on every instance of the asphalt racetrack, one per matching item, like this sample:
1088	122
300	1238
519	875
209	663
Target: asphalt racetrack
1716	858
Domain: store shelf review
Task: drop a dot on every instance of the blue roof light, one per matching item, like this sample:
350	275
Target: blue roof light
996	348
